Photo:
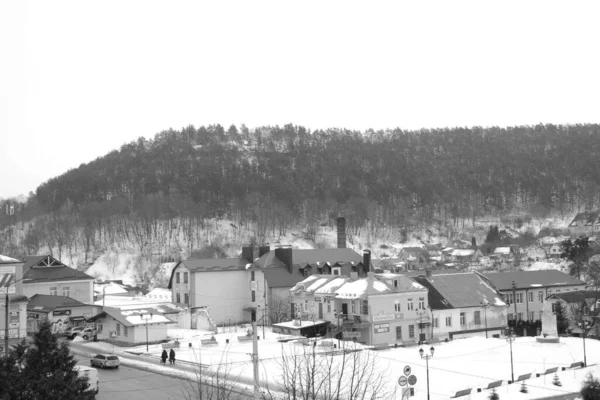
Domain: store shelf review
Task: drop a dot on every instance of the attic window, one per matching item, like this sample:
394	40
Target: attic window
336	271
307	272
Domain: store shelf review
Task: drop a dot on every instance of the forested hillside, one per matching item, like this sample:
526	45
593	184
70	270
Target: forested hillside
158	194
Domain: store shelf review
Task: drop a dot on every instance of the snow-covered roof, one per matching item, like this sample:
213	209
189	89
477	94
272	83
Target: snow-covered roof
159	294
462	252
331	286
8	259
502	250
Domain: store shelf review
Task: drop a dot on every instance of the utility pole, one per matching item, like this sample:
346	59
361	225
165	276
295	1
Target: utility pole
6	322
255	360
514	288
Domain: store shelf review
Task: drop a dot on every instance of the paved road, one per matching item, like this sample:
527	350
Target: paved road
126	383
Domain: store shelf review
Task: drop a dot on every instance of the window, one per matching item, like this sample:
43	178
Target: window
519	298
395	283
398	333
185	277
118	329
409	305
66	291
421	303
519	316
541	296
411	331
125	331
353	307
253	295
435	323
511	316
328	305
53	291
463	319
178	298
510	299
531	315
178	278
397	307
186	298
337	270
449	321
477	317
365	307
306	272
530	297
555	307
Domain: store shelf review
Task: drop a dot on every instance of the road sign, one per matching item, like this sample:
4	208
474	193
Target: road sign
412	380
407	370
402	380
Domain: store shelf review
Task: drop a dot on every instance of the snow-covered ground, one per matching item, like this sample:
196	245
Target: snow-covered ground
457	365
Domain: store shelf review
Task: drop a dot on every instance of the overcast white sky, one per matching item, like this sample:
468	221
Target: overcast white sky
79	78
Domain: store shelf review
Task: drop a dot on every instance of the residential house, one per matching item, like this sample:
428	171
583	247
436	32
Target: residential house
11	286
388	265
461	244
257	283
463	305
507	253
553	250
414	258
465	257
131	327
47	275
376	309
525	291
62	311
577	304
585	223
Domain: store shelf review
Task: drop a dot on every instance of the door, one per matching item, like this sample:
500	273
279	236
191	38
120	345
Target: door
293	310
345	309
422	338
320	310
253	316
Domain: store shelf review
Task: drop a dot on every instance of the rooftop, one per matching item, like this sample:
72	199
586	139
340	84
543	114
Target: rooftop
528	279
46	303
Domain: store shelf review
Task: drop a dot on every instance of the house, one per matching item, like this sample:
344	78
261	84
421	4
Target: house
507	253
574	305
131	327
525	291
47	275
258	282
461	244
585	223
553	250
62	311
463	305
414	258
388	265
11	286
465	257
376	309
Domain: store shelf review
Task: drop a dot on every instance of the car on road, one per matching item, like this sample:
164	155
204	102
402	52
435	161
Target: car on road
87	333
105	361
91	374
74	331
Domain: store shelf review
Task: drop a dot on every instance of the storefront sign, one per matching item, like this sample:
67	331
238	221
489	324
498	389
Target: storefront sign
13	325
381	328
61	312
383	317
12	334
351	335
319	299
254	285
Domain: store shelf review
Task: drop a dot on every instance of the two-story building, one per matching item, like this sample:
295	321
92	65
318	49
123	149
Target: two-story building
585	224
525	291
463	305
11	287
578	305
47	275
553	250
62	311
376	309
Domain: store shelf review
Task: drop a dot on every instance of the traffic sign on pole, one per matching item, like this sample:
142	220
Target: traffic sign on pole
412	380
402	380
407	370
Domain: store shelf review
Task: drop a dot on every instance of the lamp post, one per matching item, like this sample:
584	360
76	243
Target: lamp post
427	357
584	325
510	339
337	316
485	304
146	317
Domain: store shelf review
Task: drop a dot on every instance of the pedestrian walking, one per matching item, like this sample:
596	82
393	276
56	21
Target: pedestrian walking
164	356
172	356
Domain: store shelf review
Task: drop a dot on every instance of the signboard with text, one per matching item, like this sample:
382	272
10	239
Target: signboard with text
383	317
12	334
254	285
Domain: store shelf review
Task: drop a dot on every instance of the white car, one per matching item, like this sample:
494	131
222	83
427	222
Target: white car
105	361
74	331
91	374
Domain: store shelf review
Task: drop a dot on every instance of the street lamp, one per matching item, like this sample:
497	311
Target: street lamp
510	339
146	317
584	325
336	315
485	304
427	357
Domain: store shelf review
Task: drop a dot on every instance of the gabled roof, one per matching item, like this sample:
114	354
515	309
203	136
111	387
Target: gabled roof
48	269
528	279
405	284
46	303
362	289
461	290
313	256
210	265
589	217
315	282
462	252
577	296
502	250
281	277
133	317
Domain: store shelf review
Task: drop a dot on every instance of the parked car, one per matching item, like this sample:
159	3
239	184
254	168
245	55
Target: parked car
105	361
87	333
74	331
91	374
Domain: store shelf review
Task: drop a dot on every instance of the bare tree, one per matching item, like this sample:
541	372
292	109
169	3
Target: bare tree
279	308
346	374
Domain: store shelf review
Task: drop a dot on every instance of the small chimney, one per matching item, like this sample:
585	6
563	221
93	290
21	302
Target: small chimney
262	250
341	233
367	260
284	254
427	273
247	253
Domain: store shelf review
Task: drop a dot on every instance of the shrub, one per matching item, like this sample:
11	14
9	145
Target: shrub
590	389
494	395
523	388
556	380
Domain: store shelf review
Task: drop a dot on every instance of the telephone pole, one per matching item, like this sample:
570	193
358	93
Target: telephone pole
255	361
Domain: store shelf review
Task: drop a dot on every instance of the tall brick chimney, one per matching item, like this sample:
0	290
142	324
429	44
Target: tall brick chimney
367	260
341	233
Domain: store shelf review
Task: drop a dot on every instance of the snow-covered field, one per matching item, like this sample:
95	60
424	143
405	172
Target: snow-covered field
457	365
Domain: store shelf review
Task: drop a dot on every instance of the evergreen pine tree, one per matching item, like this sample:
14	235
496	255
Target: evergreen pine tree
43	370
523	388
590	389
556	380
494	395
